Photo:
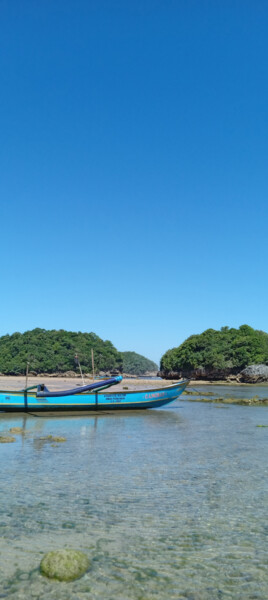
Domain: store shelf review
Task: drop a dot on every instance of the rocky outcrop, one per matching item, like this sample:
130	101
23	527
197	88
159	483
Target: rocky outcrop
251	374
201	373
170	374
254	374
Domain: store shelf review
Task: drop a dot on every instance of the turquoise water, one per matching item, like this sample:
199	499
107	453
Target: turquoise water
170	503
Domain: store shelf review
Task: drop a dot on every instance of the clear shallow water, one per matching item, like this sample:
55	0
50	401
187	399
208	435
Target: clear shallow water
231	391
169	503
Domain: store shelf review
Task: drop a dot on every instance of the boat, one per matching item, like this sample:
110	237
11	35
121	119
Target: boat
92	397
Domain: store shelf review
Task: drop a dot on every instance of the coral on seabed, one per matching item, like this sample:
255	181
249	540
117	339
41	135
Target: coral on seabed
64	565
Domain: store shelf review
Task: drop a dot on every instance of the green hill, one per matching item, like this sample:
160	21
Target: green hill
217	353
54	351
136	364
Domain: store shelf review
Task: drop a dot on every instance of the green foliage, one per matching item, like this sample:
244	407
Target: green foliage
227	349
53	352
136	364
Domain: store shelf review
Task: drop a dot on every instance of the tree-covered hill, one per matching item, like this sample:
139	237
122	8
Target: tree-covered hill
54	351
136	364
217	353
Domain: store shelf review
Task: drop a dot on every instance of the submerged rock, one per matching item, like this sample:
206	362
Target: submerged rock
64	565
16	430
52	438
6	439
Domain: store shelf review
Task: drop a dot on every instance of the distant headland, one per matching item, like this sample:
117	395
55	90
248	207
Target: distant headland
232	355
64	353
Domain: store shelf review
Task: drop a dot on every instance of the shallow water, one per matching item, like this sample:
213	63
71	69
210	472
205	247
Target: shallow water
231	391
168	503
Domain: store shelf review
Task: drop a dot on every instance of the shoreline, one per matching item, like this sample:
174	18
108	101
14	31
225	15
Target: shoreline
17	382
222	382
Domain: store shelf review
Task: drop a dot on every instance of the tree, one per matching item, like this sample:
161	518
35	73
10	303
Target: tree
224	350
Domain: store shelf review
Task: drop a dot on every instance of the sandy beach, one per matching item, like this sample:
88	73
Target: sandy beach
62	383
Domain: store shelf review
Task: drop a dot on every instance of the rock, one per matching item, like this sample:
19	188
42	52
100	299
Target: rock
169	374
52	438
64	565
233	378
70	374
254	374
251	374
150	374
16	430
6	439
205	374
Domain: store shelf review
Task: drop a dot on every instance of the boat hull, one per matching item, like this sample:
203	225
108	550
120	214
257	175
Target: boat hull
95	401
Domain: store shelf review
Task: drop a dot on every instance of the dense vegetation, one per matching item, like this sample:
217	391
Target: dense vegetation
227	350
54	352
136	364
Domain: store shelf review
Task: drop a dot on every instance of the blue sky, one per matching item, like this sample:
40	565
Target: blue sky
133	168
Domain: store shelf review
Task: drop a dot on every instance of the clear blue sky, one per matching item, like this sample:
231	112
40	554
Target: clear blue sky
134	168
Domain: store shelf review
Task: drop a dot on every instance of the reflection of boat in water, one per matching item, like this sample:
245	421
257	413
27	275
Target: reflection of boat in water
93	397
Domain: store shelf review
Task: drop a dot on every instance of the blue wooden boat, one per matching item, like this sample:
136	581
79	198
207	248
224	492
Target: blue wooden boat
92	397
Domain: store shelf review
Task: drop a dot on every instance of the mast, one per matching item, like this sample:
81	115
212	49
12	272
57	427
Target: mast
92	361
78	363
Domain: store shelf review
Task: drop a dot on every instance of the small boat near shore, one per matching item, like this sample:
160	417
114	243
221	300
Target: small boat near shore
92	397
